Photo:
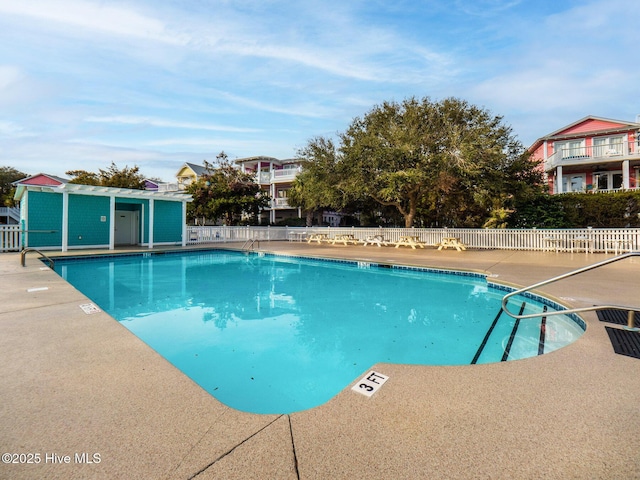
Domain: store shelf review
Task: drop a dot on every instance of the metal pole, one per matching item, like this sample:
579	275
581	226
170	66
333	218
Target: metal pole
630	321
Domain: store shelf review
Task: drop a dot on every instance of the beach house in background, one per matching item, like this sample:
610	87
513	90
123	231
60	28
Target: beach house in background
60	215
189	173
592	154
275	177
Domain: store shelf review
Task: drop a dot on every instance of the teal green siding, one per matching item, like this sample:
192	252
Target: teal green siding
44	213
89	219
167	221
85	225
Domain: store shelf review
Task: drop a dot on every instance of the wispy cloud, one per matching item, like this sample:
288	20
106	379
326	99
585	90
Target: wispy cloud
163	123
96	17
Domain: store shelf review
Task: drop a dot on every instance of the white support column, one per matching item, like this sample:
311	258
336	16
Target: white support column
65	220
559	181
272	194
184	224
112	222
151	220
626	184
142	224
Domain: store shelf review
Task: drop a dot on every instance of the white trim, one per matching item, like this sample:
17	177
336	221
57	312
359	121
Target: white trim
151	220
184	224
112	222
626	181
558	183
142	241
65	221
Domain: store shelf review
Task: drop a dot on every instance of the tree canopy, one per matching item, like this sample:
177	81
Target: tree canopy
444	163
226	193
8	175
111	177
315	188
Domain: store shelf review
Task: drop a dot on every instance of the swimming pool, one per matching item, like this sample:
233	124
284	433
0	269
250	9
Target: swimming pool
276	334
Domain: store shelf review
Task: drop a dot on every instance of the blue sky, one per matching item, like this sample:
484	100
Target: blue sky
156	83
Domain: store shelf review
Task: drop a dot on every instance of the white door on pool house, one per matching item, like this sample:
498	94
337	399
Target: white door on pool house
126	227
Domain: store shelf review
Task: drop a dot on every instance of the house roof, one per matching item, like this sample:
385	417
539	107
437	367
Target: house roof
41	179
197	169
257	158
262	158
588	125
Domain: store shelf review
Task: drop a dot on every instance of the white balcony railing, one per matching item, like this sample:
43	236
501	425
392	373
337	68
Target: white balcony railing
274	176
593	153
10	212
280	203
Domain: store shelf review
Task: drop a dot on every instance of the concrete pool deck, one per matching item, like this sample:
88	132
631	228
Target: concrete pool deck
74	385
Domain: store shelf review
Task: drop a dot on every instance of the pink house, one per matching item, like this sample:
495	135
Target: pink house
591	155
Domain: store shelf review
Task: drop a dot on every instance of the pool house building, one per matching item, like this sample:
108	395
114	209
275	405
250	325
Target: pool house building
59	215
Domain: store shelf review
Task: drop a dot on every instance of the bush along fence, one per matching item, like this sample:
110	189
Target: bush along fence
607	240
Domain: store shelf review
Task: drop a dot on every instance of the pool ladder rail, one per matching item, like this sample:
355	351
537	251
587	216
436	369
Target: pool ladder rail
23	255
250	244
629	309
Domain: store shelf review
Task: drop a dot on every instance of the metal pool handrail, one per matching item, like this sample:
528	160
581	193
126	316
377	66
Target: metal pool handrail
24	252
631	310
250	244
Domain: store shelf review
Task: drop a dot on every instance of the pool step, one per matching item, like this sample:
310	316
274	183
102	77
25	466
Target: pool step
486	337
507	349
511	337
543	331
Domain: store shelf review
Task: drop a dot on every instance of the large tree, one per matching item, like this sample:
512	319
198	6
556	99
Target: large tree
8	175
111	177
449	162
226	193
315	188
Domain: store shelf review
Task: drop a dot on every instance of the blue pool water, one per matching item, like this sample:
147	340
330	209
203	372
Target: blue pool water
274	334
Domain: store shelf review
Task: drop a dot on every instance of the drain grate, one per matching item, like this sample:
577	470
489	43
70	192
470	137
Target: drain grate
624	342
619	317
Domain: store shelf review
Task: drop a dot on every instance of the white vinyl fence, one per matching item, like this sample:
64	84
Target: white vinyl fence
609	240
10	238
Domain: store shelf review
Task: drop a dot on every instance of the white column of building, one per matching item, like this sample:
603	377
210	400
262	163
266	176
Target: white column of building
626	184
272	194
184	224
151	220
559	182
112	222
65	220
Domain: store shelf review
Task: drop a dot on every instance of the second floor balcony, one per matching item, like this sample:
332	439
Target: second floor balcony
276	176
614	152
282	202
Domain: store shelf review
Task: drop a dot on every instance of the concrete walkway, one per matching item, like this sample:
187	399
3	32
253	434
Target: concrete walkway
82	397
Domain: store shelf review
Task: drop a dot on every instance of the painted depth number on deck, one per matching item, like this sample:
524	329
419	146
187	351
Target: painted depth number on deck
370	383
